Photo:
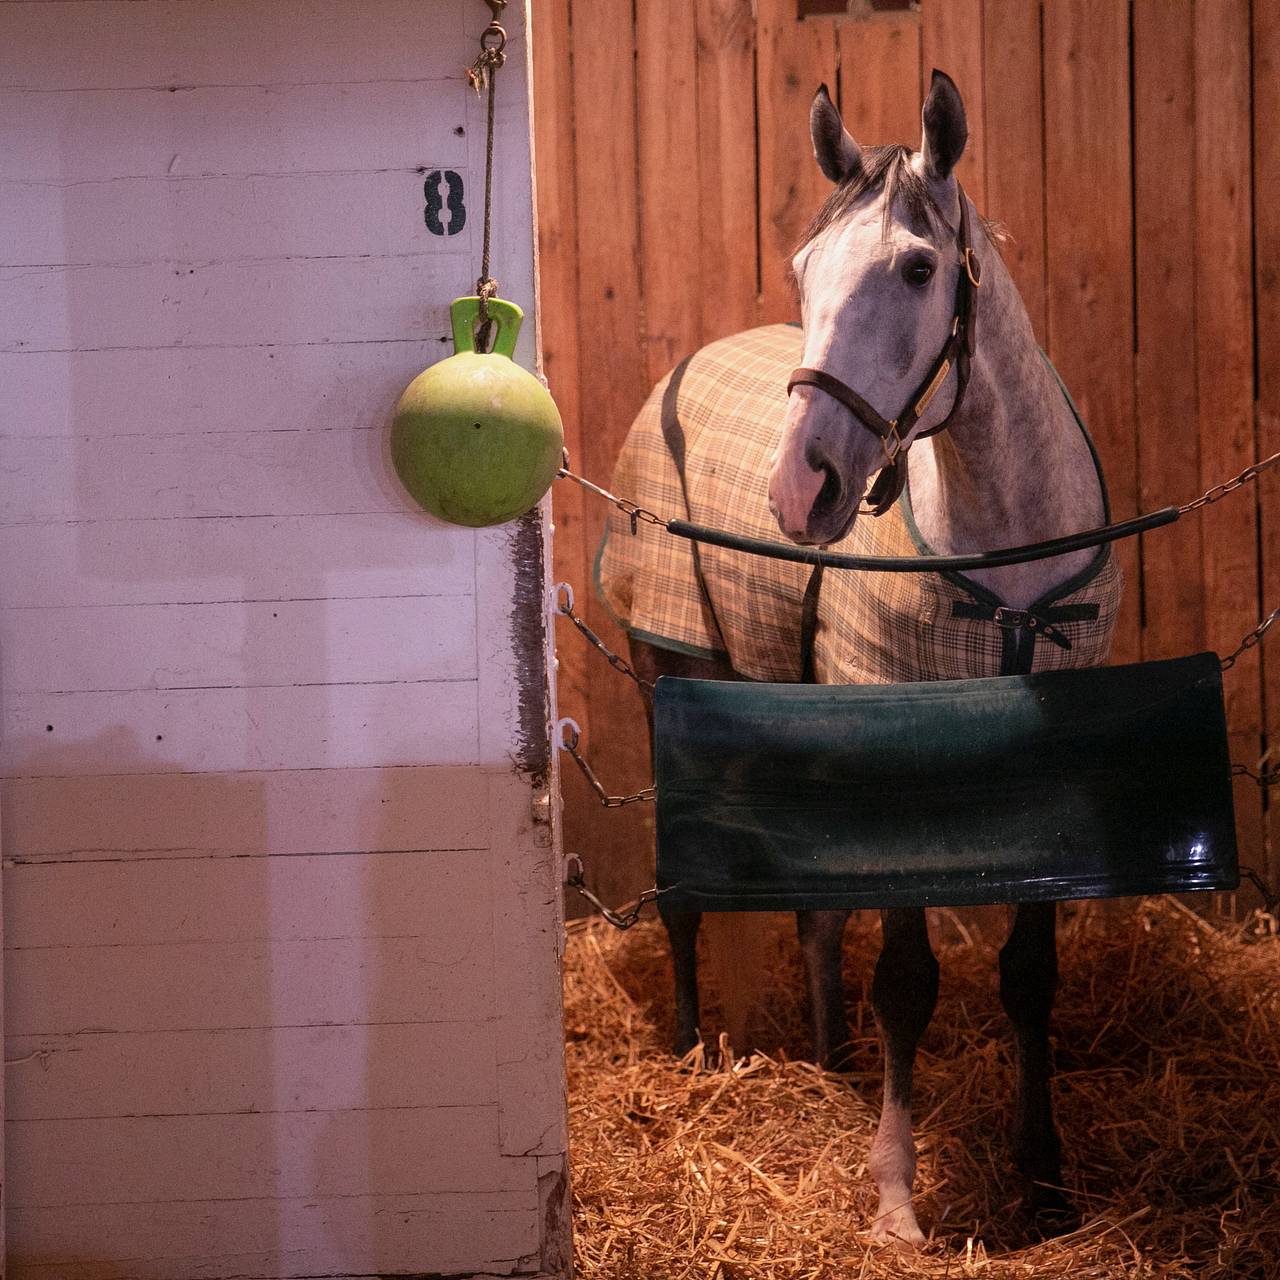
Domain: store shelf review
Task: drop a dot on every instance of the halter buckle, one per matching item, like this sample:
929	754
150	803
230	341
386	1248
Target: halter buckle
891	437
972	268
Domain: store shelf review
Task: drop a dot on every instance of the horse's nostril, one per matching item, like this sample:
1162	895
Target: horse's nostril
829	494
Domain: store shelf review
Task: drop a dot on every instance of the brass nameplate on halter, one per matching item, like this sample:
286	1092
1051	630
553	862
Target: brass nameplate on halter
932	389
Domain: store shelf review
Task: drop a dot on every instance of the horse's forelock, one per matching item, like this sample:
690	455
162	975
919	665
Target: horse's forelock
888	170
883	171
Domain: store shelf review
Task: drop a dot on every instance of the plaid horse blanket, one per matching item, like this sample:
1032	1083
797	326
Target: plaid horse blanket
722	410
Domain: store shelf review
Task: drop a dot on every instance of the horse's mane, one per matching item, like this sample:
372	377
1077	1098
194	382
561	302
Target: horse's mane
888	169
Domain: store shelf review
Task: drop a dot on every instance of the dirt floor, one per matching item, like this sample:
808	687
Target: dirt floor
1167	1037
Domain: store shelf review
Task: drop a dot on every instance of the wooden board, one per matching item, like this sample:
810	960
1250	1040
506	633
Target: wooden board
1224	370
185	391
879	61
355	725
281	812
1165	388
728	268
105	135
120	44
1014	145
1266	292
951	39
274	473
207	985
244	303
214	1238
203	219
159	1159
1090	247
614	380
309	897
275	1069
667	154
281	642
210	559
556	188
792	60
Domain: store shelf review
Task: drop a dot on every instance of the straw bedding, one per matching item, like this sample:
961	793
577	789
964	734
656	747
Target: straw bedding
1167	1036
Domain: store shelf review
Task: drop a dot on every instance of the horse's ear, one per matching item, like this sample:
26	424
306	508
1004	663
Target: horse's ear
945	128
836	152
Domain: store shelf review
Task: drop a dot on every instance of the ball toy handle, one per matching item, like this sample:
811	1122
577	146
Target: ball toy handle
476	439
464	314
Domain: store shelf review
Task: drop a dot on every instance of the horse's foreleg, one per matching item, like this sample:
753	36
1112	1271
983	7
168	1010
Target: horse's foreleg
821	935
1028	982
682	932
903	994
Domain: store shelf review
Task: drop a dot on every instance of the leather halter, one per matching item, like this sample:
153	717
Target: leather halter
956	351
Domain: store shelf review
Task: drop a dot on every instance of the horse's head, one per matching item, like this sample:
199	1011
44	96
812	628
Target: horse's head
877	274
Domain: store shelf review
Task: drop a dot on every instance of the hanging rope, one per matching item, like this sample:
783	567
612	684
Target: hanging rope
483	75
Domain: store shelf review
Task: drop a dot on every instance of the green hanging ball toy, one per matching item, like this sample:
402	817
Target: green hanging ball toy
476	439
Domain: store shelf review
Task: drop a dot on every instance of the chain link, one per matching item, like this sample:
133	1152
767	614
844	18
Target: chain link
1270	898
1220	491
1251	639
1268	778
569	734
564	606
636	513
624	917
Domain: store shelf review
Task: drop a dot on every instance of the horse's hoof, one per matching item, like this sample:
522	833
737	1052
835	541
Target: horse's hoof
838	1061
1052	1214
899	1229
684	1042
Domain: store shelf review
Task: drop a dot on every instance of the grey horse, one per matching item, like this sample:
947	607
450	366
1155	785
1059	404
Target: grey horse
881	289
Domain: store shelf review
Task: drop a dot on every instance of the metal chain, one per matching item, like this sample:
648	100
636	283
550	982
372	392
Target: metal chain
1220	491
636	513
569	734
624	917
1251	639
1270	898
1268	778
483	74
564	607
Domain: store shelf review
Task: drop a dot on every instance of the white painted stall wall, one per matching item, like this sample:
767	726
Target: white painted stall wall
280	898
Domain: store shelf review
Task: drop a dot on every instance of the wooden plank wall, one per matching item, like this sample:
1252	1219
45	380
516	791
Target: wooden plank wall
1114	140
281	904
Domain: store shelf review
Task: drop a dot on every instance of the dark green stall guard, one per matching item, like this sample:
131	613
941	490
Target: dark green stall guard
1071	784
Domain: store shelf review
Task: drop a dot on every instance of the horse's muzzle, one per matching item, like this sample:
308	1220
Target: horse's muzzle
811	501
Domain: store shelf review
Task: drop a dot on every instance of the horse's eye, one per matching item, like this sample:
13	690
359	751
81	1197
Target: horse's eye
919	271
